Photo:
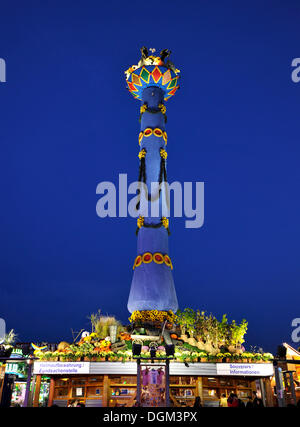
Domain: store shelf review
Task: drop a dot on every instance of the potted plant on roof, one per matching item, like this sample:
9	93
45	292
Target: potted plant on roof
185	356
249	356
66	356
202	356
212	358
219	357
121	355
267	357
128	354
111	356
75	351
194	356
50	356
257	357
77	356
87	350
227	357
245	357
99	355
236	358
102	356
161	351
94	355
177	355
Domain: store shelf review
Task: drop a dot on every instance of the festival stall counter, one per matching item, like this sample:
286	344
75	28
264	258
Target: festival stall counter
101	370
115	383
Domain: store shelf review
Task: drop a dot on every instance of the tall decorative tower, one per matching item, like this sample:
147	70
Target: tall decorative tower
153	81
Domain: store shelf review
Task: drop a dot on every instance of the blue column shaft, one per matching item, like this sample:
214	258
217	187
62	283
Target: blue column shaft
152	286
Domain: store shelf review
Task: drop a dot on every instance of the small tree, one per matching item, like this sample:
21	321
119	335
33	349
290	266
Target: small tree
223	330
237	333
186	319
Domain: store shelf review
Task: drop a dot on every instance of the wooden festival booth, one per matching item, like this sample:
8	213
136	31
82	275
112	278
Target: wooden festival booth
111	384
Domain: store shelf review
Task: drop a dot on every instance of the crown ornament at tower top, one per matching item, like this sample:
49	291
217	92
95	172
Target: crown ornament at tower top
157	71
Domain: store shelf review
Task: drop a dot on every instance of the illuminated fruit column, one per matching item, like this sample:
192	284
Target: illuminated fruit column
153	81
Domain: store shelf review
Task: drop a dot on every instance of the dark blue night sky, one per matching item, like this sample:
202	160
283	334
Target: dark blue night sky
68	123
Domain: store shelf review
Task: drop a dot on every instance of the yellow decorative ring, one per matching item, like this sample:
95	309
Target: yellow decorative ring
158	132
147	257
140	137
148	132
168	261
158	258
138	261
165	136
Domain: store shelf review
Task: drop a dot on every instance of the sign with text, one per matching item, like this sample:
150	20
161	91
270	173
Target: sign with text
246	369
18	369
58	368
